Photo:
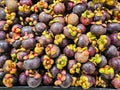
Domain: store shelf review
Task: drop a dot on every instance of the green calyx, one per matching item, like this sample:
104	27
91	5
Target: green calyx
75	68
96	59
91	36
98	12
59	38
72	30
102	41
118	36
62	62
106	70
88	14
72	47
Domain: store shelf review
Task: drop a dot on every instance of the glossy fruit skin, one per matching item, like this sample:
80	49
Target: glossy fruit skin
113	27
44	17
79	8
67	82
4	46
97	30
111	52
2	14
114	39
3	59
35	16
2	35
40	27
26	29
91	50
32	63
88	68
29	43
103	61
22	79
83	40
56	28
16	44
33	83
115	63
82	28
54	71
59	8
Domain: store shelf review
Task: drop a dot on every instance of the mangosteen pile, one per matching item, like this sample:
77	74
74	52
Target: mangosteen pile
66	43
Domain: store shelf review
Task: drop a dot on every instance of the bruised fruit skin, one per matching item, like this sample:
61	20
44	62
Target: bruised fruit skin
88	68
33	63
20	55
87	17
64	79
82	28
52	50
72	19
91	50
116	81
82	55
12	5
